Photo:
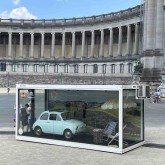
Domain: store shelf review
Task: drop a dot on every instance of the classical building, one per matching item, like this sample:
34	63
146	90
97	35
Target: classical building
100	49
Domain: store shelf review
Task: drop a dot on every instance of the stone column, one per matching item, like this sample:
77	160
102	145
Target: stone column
111	43
150	25
4	53
63	45
9	44
145	26
159	24
120	42
152	52
83	44
73	45
92	43
14	48
32	46
27	54
136	47
101	54
53	45
128	39
42	44
21	45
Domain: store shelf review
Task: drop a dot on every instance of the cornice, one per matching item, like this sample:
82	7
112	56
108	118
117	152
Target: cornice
82	21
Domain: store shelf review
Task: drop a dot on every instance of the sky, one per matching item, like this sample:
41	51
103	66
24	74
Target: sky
60	9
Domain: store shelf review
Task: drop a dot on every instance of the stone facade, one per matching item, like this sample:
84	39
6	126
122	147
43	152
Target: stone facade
90	50
61	79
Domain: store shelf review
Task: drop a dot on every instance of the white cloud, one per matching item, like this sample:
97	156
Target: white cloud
18	13
16	2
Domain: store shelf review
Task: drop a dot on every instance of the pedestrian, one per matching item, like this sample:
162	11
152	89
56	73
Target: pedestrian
159	95
14	116
156	96
24	119
28	110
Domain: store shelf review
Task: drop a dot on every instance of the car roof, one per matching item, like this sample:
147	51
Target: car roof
60	111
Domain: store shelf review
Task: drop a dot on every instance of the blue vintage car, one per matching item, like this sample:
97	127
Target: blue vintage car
59	123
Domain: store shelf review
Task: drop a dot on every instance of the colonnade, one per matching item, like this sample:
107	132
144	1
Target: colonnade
83	42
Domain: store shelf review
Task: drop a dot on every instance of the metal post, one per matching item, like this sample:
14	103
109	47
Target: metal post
8	88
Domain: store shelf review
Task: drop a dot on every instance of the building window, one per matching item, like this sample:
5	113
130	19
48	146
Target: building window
66	68
104	68
46	66
56	68
76	67
113	68
14	67
121	68
3	67
130	68
95	68
36	66
86	68
25	67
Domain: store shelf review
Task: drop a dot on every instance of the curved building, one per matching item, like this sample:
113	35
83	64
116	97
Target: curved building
100	49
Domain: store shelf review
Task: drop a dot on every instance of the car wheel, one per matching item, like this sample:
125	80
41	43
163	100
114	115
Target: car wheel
68	134
38	131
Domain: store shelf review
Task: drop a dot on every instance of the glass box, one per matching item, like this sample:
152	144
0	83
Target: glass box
99	117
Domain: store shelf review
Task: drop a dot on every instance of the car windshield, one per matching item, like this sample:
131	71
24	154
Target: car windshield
66	116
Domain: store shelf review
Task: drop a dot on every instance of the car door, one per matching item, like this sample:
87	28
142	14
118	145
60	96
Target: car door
58	125
43	122
51	122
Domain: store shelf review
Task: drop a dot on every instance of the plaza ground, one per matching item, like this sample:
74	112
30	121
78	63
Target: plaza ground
14	152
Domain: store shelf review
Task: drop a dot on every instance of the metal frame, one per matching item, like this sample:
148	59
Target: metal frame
119	88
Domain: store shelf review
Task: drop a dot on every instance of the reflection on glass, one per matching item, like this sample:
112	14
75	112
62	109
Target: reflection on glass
133	118
79	116
66	116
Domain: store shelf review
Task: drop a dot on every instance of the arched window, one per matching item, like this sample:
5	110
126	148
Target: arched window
95	68
121	68
66	68
56	68
25	67
86	68
3	67
104	68
113	68
14	67
130	68
76	68
36	66
46	66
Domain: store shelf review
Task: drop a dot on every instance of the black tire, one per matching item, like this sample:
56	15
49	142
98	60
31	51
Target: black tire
68	134
38	131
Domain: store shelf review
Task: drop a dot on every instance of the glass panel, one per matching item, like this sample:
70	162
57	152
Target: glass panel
133	120
79	116
31	103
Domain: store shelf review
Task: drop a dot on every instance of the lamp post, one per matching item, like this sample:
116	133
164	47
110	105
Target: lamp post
8	88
